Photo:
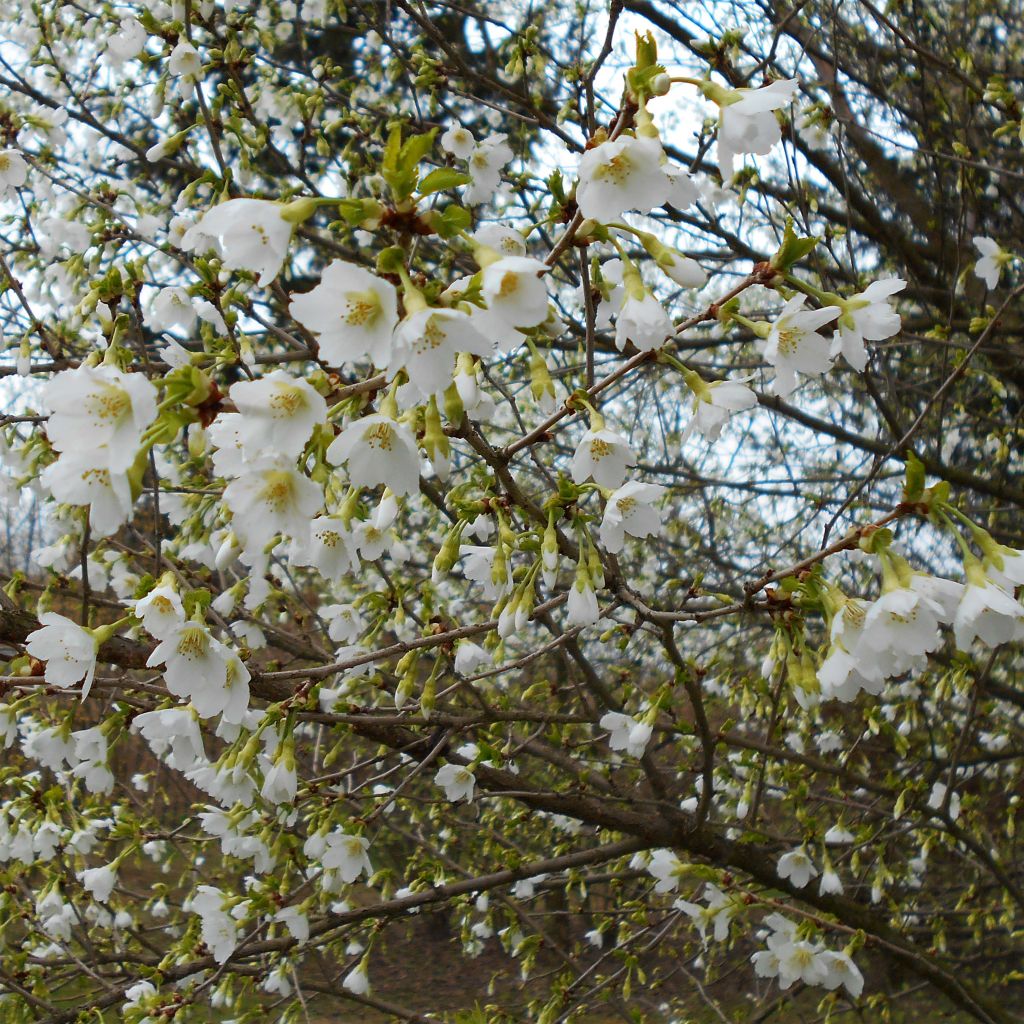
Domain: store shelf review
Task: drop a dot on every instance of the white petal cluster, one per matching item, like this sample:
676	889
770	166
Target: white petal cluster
623	174
747	122
68	649
790	959
794	344
97	418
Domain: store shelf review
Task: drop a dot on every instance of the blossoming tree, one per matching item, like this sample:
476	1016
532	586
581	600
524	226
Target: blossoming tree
555	468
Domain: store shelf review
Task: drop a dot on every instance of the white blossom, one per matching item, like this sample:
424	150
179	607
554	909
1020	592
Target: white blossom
278	413
867	316
352	312
515	291
13	170
457	782
643	321
99	882
426	344
99	411
993	259
793	343
619	175
631	510
714	403
485	163
269	497
458	141
747	122
378	450
626	733
251	234
603	455
68	649
797	866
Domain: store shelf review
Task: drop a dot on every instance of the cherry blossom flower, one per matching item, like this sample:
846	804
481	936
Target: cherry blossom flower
161	611
485	164
127	43
279	413
623	174
173	735
515	292
172	307
626	733
353	313
251	234
988	613
838	836
13	170
797	866
92	755
581	607
99	882
831	884
99	407
504	240
378	450
686	272
185	60
813	133
714	403
603	455
841	970
295	921
904	623
800	960
666	868
202	669
793	343
718	913
347	854
683	191
843	674
372	536
746	120
479	567
331	548
992	261
218	927
281	782
84	478
269	497
470	658
457	781
630	509
937	798
458	141
867	316
1004	565
344	623
357	981
643	321
68	649
426	343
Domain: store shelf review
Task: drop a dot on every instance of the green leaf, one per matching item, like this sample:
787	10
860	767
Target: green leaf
401	159
442	178
793	249
416	147
453	219
914	487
